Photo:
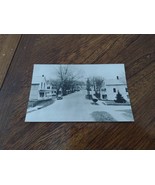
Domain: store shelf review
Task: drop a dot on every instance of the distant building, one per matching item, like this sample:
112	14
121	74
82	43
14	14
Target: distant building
41	89
111	88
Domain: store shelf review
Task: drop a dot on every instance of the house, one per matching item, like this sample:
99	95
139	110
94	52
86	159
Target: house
41	89
111	88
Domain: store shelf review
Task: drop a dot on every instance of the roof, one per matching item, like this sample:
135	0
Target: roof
37	79
115	82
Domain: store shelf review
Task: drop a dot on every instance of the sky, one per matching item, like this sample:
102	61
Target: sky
108	71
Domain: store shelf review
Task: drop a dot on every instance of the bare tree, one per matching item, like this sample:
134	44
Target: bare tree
68	78
56	84
98	83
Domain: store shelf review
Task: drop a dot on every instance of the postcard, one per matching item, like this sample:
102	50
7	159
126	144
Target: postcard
79	93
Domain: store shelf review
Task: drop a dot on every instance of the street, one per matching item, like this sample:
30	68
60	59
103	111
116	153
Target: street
75	108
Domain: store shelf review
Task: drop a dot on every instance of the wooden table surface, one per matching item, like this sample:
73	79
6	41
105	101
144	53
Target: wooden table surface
137	52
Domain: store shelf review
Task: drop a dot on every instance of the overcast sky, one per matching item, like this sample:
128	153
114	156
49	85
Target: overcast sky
108	71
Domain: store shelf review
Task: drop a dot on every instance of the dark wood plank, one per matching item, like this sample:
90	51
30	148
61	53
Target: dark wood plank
8	45
138	54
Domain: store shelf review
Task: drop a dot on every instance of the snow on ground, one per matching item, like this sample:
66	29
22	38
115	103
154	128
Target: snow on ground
75	107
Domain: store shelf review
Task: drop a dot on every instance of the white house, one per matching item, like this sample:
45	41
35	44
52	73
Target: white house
111	88
41	89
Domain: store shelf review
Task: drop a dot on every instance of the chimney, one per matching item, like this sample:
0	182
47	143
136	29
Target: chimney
117	77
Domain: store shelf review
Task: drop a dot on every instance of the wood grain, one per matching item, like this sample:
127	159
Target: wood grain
8	45
138	54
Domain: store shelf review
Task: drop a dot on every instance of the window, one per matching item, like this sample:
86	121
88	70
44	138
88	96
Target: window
44	85
104	89
114	90
104	96
41	94
41	85
126	89
48	87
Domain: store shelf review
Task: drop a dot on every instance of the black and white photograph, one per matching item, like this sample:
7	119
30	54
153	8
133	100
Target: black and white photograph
79	93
